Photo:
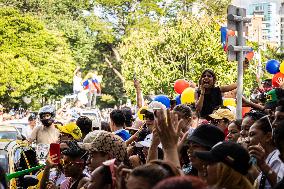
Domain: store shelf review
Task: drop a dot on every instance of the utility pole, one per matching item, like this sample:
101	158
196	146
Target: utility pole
236	47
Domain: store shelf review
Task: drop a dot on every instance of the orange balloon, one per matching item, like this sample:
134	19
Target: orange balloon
231	33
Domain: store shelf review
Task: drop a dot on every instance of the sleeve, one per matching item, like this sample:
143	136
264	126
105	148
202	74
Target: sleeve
278	167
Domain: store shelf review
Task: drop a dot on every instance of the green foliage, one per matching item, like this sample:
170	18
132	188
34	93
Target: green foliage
33	59
180	51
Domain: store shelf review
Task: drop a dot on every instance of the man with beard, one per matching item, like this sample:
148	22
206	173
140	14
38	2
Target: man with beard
46	133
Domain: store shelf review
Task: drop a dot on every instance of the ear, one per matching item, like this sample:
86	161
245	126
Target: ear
268	137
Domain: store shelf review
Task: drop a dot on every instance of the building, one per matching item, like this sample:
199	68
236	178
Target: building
254	28
281	13
270	22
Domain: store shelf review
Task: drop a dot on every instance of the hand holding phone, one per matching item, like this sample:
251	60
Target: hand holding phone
54	151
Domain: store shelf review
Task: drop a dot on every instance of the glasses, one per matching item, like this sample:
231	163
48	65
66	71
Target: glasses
70	163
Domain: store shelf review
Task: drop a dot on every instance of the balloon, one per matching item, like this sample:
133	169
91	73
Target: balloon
272	66
282	67
180	85
250	55
229	102
277	79
164	100
187	96
231	33
141	116
178	101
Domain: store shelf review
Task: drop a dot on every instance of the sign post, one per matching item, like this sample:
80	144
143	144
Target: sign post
236	47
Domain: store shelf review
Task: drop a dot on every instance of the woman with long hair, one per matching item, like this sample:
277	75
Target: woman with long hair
208	97
227	165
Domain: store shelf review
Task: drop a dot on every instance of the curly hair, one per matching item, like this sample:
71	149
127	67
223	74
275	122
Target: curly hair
184	109
255	115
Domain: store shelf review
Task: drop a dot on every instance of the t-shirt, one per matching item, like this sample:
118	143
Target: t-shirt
276	165
44	135
77	86
123	134
212	100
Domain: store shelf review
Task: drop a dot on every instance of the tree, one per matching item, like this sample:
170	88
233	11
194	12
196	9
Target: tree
177	51
33	59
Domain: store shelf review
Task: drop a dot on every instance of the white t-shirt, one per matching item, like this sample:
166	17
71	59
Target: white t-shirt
77	86
276	165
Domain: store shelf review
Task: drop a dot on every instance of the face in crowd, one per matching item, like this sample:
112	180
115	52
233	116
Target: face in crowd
207	79
233	132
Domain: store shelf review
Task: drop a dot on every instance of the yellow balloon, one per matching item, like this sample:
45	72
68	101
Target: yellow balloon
141	116
282	67
187	96
229	102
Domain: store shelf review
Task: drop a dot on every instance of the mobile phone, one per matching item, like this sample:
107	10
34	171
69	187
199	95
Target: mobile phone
55	150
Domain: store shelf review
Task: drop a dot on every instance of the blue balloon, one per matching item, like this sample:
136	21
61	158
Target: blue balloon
178	101
272	66
164	100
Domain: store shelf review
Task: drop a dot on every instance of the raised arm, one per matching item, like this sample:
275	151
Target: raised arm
228	88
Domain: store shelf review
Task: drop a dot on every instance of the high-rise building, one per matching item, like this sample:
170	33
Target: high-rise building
270	22
254	28
281	13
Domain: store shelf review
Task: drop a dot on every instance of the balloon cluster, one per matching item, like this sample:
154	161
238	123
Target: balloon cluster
185	92
274	67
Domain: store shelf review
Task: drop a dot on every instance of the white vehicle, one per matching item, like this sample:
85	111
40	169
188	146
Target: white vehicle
21	125
93	114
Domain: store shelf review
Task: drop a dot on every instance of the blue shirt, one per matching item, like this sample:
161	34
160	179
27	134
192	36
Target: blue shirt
123	134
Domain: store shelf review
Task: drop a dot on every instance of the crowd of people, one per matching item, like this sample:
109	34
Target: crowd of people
187	146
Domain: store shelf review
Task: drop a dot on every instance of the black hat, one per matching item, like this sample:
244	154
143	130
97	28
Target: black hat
230	153
207	135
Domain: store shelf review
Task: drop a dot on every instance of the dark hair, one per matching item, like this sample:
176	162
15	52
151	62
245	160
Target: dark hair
155	171
32	117
118	118
181	182
128	116
85	124
255	114
74	151
210	72
280	106
184	109
238	123
264	124
3	180
278	136
105	126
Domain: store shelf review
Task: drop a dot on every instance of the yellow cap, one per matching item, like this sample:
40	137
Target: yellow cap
72	129
223	113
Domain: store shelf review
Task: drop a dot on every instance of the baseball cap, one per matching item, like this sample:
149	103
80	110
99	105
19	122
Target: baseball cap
222	113
230	153
72	129
147	142
154	105
108	143
272	98
207	135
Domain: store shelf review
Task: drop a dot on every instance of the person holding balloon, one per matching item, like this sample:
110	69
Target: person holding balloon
208	97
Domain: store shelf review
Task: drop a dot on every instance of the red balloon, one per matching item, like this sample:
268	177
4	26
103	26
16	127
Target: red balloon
180	85
277	79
